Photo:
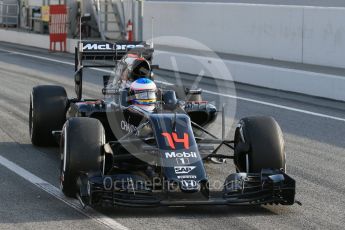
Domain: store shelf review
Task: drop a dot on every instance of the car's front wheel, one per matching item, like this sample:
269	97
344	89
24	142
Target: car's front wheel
81	150
259	144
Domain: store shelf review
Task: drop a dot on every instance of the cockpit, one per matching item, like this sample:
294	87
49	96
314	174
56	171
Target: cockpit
131	68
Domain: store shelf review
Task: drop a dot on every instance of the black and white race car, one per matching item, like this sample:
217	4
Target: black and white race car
114	152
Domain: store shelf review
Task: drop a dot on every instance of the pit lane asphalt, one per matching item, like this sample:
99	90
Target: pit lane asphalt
314	146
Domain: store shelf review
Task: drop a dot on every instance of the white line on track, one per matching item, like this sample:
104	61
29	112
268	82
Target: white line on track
206	91
54	191
277	106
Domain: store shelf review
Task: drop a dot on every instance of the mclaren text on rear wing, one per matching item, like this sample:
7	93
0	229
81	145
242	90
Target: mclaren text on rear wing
103	50
103	54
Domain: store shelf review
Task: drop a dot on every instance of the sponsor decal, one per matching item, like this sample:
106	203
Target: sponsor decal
129	127
183	169
126	47
186	177
182	161
172	139
109	46
96	46
180	155
189	184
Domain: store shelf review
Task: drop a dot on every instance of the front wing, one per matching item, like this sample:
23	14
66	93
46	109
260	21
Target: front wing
267	187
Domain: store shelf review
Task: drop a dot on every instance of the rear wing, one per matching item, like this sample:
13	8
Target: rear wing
104	54
107	51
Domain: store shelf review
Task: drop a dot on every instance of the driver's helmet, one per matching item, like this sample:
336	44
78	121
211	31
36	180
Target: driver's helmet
143	93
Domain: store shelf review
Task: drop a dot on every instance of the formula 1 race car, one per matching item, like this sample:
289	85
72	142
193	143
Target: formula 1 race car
144	146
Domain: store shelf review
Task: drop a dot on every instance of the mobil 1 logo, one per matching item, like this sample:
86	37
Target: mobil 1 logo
182	161
180	155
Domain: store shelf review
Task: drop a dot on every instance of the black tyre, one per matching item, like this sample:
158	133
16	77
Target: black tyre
48	105
81	146
259	144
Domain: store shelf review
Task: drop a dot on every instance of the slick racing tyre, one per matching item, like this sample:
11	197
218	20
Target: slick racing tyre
259	144
48	104
81	146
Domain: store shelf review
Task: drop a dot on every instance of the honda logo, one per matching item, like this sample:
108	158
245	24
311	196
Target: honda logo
189	184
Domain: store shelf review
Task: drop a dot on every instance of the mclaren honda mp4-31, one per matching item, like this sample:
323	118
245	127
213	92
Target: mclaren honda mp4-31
115	152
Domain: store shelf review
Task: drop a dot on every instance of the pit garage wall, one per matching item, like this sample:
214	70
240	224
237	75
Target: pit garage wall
311	35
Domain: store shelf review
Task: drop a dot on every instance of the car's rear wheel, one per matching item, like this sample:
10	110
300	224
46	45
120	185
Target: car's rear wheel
82	143
48	104
259	144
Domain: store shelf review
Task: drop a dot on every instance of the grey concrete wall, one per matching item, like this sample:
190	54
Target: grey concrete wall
324	36
299	81
302	34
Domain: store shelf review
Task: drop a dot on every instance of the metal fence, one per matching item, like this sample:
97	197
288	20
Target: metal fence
9	14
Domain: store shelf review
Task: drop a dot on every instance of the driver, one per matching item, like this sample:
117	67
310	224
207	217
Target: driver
143	93
136	68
